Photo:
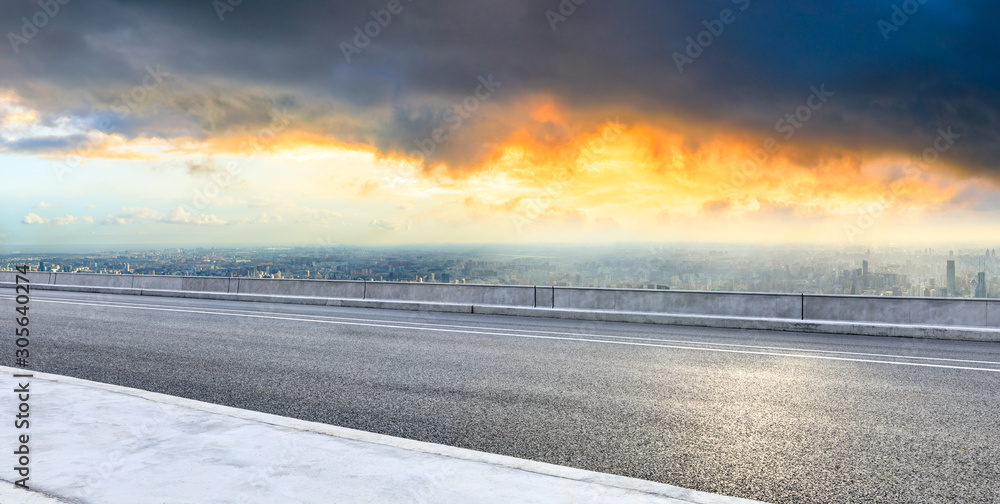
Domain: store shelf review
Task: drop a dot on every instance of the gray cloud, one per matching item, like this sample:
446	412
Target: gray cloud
939	70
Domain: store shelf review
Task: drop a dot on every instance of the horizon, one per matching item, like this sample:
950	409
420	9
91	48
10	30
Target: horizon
10	248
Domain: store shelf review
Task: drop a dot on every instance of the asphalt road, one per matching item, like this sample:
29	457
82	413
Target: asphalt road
778	417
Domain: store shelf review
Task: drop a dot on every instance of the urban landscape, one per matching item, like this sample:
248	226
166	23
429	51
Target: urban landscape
926	272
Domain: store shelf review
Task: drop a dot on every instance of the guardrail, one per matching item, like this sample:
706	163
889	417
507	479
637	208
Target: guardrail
945	312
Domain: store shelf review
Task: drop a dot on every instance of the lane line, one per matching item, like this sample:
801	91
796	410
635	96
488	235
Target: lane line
119	304
557	338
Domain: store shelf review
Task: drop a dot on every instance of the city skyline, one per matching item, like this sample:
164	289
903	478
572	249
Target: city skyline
345	124
923	272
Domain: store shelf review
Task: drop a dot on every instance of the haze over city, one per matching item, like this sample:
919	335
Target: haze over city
924	272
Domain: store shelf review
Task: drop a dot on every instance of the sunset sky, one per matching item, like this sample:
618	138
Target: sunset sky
151	122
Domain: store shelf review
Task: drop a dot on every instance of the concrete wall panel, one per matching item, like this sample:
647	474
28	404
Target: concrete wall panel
788	306
93	280
857	309
641	300
504	295
585	299
302	288
993	314
205	284
159	282
948	312
747	305
35	277
691	303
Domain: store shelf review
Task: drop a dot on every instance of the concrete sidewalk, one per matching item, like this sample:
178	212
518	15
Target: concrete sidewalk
97	443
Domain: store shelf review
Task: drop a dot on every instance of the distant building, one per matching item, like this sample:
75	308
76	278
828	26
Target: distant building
951	278
981	285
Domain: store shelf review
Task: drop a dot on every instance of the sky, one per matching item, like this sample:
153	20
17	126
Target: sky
420	121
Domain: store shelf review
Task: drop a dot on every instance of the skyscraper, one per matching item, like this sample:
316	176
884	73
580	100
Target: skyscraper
951	278
981	285
864	273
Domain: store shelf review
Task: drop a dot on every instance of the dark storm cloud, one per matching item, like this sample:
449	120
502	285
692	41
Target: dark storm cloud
41	144
939	69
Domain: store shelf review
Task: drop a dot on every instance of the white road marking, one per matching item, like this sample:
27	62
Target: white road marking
577	337
636	338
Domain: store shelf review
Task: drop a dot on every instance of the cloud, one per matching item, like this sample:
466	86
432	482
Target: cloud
68	220
179	216
393	95
265	219
43	143
316	216
116	221
44	206
389	225
203	169
34	220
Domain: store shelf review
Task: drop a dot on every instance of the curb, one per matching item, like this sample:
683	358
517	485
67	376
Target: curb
607	480
746	323
10	493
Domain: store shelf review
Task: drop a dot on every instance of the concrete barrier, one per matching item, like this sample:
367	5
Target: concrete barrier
93	280
545	297
34	277
735	304
183	283
856	309
304	288
576	298
948	312
993	314
501	295
941	312
961	312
